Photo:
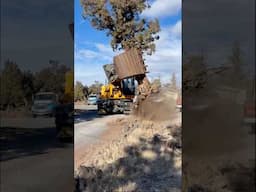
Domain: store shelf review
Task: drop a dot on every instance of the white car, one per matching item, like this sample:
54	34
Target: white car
44	103
92	100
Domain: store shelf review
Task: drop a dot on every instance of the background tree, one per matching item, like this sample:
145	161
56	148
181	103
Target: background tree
79	91
95	87
156	85
194	74
51	78
120	19
86	91
236	59
174	82
11	86
235	76
28	87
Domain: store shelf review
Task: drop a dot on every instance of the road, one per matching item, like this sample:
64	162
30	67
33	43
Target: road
32	159
89	126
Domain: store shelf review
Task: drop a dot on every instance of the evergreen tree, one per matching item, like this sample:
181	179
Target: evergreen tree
79	91
121	20
95	87
11	86
174	82
235	60
28	87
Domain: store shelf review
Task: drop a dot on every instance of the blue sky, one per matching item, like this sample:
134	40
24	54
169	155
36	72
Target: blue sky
93	50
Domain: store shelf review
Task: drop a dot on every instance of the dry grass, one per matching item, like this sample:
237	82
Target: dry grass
138	154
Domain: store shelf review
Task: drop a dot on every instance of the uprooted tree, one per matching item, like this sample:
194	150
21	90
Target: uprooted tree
120	19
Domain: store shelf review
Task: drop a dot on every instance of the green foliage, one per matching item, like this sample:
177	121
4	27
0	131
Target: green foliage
79	92
120	19
17	87
95	88
11	85
51	78
86	91
194	74
27	86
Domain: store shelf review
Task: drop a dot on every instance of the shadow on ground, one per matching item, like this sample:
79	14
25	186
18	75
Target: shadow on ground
82	115
145	167
20	142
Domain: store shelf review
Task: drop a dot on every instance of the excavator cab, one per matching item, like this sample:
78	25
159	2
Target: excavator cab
129	86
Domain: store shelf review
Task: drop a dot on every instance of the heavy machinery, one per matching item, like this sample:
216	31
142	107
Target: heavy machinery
116	97
127	83
64	119
64	113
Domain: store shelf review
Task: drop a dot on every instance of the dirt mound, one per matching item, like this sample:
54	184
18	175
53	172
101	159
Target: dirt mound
158	106
142	152
145	156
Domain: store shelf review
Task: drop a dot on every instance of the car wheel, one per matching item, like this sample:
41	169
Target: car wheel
34	116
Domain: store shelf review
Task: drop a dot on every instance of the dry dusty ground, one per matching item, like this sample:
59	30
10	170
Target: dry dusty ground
89	133
140	152
219	151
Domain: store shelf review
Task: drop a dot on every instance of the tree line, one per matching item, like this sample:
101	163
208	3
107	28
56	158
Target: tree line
81	92
18	86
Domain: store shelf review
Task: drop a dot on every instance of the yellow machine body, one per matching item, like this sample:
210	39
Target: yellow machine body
69	87
111	91
113	100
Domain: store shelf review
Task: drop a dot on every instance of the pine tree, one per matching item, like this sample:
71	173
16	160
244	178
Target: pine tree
235	59
79	91
174	82
11	86
121	20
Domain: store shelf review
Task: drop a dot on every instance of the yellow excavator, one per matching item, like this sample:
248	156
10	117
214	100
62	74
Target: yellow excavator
64	119
127	84
116	97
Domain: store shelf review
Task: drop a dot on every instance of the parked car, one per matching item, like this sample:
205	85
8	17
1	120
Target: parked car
44	103
92	100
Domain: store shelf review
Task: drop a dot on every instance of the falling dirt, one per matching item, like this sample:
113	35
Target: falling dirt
158	106
215	139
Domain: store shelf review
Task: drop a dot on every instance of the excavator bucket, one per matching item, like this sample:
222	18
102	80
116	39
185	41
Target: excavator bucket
110	73
129	64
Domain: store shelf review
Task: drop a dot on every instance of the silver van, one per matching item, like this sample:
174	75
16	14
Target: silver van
44	103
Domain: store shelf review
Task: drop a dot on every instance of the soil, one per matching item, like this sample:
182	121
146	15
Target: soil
139	152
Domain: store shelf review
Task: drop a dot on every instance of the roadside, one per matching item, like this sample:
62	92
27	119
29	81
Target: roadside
89	130
137	152
29	148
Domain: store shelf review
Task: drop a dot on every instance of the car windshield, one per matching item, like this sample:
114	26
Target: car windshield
92	97
45	97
